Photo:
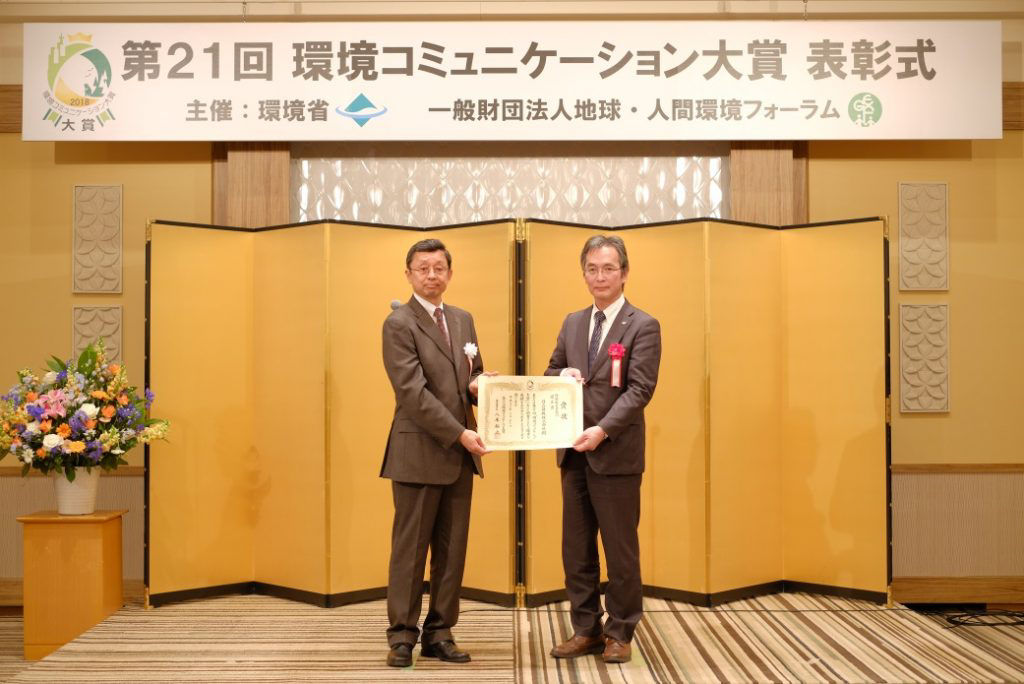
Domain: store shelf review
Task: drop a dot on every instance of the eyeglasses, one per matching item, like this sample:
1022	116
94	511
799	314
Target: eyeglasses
606	270
424	271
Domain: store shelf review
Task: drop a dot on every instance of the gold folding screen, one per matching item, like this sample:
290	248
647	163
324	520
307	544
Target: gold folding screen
771	339
766	454
265	347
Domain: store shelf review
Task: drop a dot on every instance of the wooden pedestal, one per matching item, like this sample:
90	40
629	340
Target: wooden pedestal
72	576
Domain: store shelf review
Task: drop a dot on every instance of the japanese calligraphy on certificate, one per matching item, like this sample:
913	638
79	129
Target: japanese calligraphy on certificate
522	412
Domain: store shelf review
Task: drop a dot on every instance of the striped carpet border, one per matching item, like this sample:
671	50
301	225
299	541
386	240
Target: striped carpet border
781	638
778	638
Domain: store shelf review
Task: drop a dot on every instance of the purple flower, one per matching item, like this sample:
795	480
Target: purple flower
77	422
35	411
126	412
95	452
62	376
149	398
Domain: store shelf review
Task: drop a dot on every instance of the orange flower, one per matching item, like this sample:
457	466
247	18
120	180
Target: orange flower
90	424
31	396
107	413
122	399
99	394
74	447
64	430
114	368
16	442
45	426
40	452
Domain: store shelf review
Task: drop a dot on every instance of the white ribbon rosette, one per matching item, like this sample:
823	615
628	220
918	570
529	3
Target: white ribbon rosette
470	351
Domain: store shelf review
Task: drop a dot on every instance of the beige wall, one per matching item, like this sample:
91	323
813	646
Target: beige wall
986	295
169	180
37	181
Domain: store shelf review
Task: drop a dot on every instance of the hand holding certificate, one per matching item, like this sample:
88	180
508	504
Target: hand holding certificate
522	412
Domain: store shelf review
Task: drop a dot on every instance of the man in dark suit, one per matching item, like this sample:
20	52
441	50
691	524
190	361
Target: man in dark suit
432	453
601	474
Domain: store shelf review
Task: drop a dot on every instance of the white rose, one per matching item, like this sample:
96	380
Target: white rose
89	410
49	378
470	350
26	455
32	428
51	441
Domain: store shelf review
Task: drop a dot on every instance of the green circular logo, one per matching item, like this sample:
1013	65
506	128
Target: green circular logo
865	109
79	74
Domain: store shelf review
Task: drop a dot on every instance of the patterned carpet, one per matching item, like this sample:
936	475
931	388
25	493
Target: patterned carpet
781	638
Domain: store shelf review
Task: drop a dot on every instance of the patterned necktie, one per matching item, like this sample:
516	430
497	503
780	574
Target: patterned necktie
439	319
595	339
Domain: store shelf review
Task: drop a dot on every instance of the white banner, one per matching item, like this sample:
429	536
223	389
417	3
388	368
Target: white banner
737	80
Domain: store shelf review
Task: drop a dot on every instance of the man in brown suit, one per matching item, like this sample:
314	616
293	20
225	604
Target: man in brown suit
601	474
432	453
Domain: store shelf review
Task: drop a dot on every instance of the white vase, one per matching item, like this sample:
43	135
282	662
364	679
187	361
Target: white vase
78	497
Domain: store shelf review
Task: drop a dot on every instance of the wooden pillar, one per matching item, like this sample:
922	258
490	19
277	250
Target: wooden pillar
251	184
768	182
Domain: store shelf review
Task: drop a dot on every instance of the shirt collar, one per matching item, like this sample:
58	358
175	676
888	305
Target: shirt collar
427	305
613	309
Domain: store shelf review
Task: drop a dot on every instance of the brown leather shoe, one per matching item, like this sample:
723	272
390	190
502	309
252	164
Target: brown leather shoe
616	651
446	651
579	646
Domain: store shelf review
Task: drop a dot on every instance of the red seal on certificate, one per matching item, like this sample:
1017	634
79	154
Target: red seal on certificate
616	352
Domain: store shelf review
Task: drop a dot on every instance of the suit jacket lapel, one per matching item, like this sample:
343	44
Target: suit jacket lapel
581	342
615	335
427	325
458	342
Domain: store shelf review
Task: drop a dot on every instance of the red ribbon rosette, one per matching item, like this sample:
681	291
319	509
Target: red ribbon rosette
616	352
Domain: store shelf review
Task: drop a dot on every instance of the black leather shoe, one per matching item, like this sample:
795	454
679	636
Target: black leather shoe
446	651
400	655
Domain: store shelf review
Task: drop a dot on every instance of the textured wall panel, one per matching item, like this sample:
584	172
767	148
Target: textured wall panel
21	496
90	323
924	358
924	236
958	524
97	244
430	191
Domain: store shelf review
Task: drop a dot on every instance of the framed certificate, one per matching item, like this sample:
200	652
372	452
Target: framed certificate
523	412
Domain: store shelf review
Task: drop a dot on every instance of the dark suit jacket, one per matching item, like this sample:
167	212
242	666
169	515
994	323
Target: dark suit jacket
432	400
618	410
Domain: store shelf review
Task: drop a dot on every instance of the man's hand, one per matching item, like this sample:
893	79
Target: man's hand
473	387
572	373
474	445
590	439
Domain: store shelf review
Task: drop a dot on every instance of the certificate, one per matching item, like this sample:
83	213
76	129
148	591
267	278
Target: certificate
522	412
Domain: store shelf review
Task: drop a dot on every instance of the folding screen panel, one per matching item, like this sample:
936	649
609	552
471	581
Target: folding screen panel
287	479
744	366
200	530
834	455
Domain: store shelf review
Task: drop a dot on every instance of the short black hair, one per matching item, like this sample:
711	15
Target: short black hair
431	245
599	241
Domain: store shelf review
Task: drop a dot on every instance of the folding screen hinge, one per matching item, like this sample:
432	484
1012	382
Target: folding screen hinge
885	227
149	231
888	410
520	230
520	596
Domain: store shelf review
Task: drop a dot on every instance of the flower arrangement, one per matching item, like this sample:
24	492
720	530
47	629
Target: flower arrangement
76	415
